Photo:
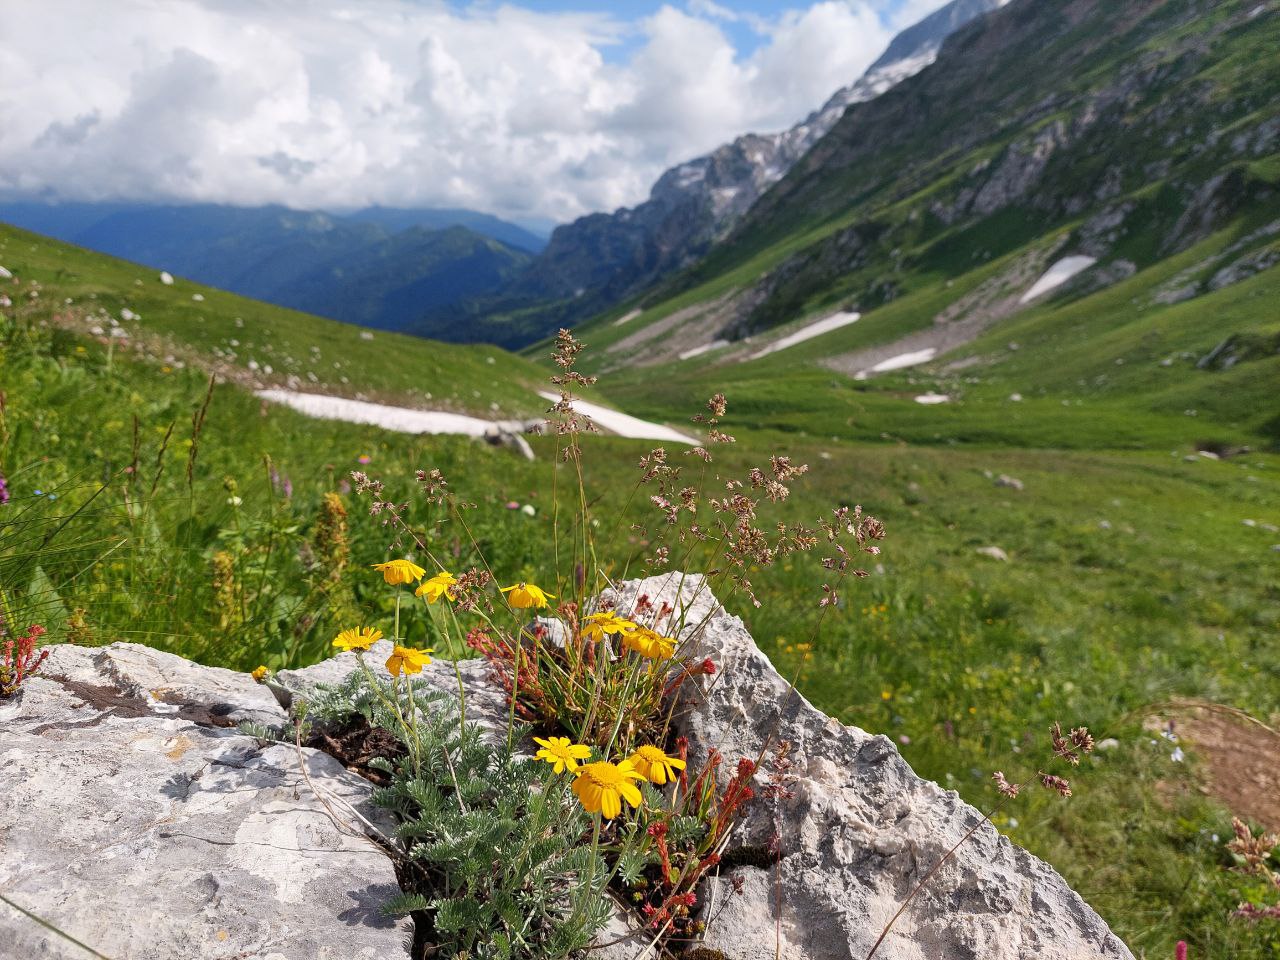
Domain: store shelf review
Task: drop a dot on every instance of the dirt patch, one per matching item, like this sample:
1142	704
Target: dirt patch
1240	758
356	744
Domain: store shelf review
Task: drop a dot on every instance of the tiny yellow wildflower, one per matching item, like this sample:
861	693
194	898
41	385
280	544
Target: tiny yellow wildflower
522	596
396	572
357	638
441	585
649	643
408	659
598	625
601	787
561	753
260	674
655	766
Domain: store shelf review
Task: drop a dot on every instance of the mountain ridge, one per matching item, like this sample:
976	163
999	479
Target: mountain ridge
988	150
604	259
380	267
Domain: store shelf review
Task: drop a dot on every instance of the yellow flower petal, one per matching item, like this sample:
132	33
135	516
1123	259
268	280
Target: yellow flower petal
397	572
357	638
408	660
441	585
631	794
524	596
606	623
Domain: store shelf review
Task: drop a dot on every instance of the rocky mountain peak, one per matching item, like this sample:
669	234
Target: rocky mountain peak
602	259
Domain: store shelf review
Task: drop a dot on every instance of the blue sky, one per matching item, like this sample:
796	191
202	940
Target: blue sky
745	37
527	109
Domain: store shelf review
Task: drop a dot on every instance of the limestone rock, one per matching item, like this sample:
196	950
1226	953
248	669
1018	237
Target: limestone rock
137	823
622	939
486	703
861	831
172	684
510	434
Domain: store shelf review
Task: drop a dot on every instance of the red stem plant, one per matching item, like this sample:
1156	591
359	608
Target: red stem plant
19	660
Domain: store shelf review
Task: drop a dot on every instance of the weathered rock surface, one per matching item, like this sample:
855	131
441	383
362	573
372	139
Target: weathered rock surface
860	833
486	704
138	821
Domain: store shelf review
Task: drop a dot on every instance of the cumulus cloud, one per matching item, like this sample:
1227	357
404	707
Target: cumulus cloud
343	103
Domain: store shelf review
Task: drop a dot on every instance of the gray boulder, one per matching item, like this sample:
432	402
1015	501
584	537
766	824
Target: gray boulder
139	822
485	702
860	832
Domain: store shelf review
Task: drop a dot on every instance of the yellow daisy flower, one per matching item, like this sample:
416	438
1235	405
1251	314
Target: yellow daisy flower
396	572
598	625
441	585
655	766
260	674
561	753
408	659
649	643
522	596
601	787
357	638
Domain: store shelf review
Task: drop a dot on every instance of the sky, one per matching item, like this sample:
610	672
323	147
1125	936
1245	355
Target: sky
537	111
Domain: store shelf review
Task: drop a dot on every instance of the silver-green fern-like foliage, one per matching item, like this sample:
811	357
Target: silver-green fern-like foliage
497	856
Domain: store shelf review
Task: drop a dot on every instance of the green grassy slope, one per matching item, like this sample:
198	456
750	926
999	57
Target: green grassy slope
229	331
1132	577
1135	133
1110	369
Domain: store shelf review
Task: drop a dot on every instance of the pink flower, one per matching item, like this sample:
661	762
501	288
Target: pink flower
1180	951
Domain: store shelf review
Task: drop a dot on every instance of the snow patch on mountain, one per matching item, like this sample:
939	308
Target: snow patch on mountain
900	362
816	329
624	425
1057	275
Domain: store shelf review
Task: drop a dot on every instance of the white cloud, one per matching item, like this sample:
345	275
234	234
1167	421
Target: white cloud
338	103
913	11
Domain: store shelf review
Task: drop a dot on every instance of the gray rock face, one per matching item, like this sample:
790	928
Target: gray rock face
172	685
1244	268
139	825
1020	170
860	833
485	703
